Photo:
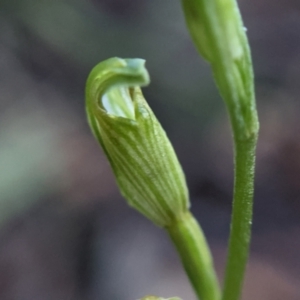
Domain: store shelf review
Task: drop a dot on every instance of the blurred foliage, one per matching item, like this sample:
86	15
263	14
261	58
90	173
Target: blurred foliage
30	161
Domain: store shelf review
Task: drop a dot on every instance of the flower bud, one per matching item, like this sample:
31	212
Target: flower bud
143	160
216	28
158	298
218	33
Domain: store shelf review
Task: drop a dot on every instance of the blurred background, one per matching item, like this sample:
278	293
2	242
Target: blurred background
66	233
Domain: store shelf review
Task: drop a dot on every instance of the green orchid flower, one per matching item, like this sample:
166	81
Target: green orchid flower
142	158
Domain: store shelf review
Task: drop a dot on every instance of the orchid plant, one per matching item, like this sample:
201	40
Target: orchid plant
144	162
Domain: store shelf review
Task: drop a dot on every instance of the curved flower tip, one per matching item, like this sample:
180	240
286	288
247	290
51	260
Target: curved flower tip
158	298
143	160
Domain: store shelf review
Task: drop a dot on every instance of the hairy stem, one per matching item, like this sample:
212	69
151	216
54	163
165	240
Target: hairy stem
217	30
241	220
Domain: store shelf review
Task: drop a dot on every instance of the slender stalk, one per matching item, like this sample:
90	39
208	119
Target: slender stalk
241	218
192	247
217	30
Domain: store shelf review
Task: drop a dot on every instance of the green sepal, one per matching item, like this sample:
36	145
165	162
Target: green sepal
142	158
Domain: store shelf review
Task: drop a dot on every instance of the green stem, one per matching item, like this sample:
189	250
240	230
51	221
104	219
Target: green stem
192	247
217	30
241	220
